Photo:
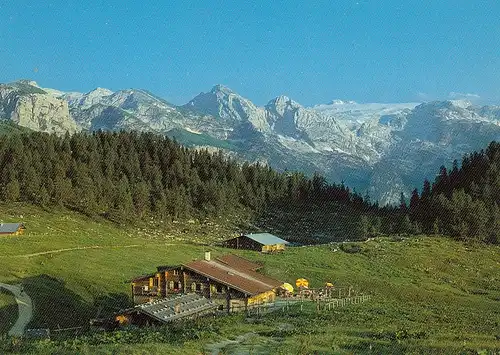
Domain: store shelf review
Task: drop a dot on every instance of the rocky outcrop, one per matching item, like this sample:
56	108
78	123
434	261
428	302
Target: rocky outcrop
222	102
84	101
29	106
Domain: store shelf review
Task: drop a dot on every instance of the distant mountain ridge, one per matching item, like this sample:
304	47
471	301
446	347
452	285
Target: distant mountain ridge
383	149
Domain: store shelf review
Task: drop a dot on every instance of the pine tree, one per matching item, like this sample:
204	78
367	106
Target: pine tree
376	226
402	203
12	191
32	184
141	198
43	197
364	227
494	225
406	226
435	227
414	208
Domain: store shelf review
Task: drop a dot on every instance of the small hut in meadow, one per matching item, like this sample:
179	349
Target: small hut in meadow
12	228
264	242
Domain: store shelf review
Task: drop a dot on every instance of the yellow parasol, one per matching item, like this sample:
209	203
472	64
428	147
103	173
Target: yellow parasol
287	287
121	319
302	283
329	284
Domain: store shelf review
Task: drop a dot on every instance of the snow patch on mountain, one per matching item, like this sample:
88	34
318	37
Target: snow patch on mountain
354	113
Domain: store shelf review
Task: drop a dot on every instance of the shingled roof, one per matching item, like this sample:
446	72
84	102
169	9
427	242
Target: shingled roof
164	309
238	262
234	272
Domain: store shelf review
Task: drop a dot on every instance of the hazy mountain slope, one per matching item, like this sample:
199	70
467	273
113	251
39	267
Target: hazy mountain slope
435	134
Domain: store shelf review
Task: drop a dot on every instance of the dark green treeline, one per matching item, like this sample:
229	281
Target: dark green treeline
462	202
124	176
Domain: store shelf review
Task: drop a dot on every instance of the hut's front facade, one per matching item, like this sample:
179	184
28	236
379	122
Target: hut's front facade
230	281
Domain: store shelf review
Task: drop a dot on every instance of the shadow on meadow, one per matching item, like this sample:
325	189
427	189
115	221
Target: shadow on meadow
8	311
56	306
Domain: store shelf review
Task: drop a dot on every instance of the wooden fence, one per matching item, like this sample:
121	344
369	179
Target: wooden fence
321	304
342	302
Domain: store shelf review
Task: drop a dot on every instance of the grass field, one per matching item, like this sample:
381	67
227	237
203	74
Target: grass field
428	294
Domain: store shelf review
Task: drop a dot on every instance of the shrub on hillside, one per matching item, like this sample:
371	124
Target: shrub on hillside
397	238
350	248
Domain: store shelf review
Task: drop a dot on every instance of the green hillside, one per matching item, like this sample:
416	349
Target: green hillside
429	294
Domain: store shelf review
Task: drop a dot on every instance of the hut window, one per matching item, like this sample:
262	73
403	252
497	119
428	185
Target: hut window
220	289
175	272
198	287
179	285
155	281
193	287
171	285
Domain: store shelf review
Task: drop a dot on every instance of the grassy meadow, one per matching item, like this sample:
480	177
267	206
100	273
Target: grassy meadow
429	294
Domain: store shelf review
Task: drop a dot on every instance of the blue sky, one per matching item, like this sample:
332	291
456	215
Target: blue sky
312	51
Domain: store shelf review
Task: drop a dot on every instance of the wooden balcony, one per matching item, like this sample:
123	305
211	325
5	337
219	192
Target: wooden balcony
149	291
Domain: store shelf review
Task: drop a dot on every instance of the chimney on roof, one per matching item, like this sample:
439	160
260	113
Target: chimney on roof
207	256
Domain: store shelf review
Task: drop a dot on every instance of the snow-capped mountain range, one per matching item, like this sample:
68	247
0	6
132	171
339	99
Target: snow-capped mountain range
384	149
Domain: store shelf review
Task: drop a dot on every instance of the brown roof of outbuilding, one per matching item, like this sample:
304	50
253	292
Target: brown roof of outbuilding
238	262
244	280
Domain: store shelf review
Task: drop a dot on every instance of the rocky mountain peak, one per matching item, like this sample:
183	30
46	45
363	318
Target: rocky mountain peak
445	110
84	101
222	89
100	91
27	82
282	104
223	102
446	105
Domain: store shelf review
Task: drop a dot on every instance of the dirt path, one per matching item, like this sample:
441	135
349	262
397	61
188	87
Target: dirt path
25	309
55	251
